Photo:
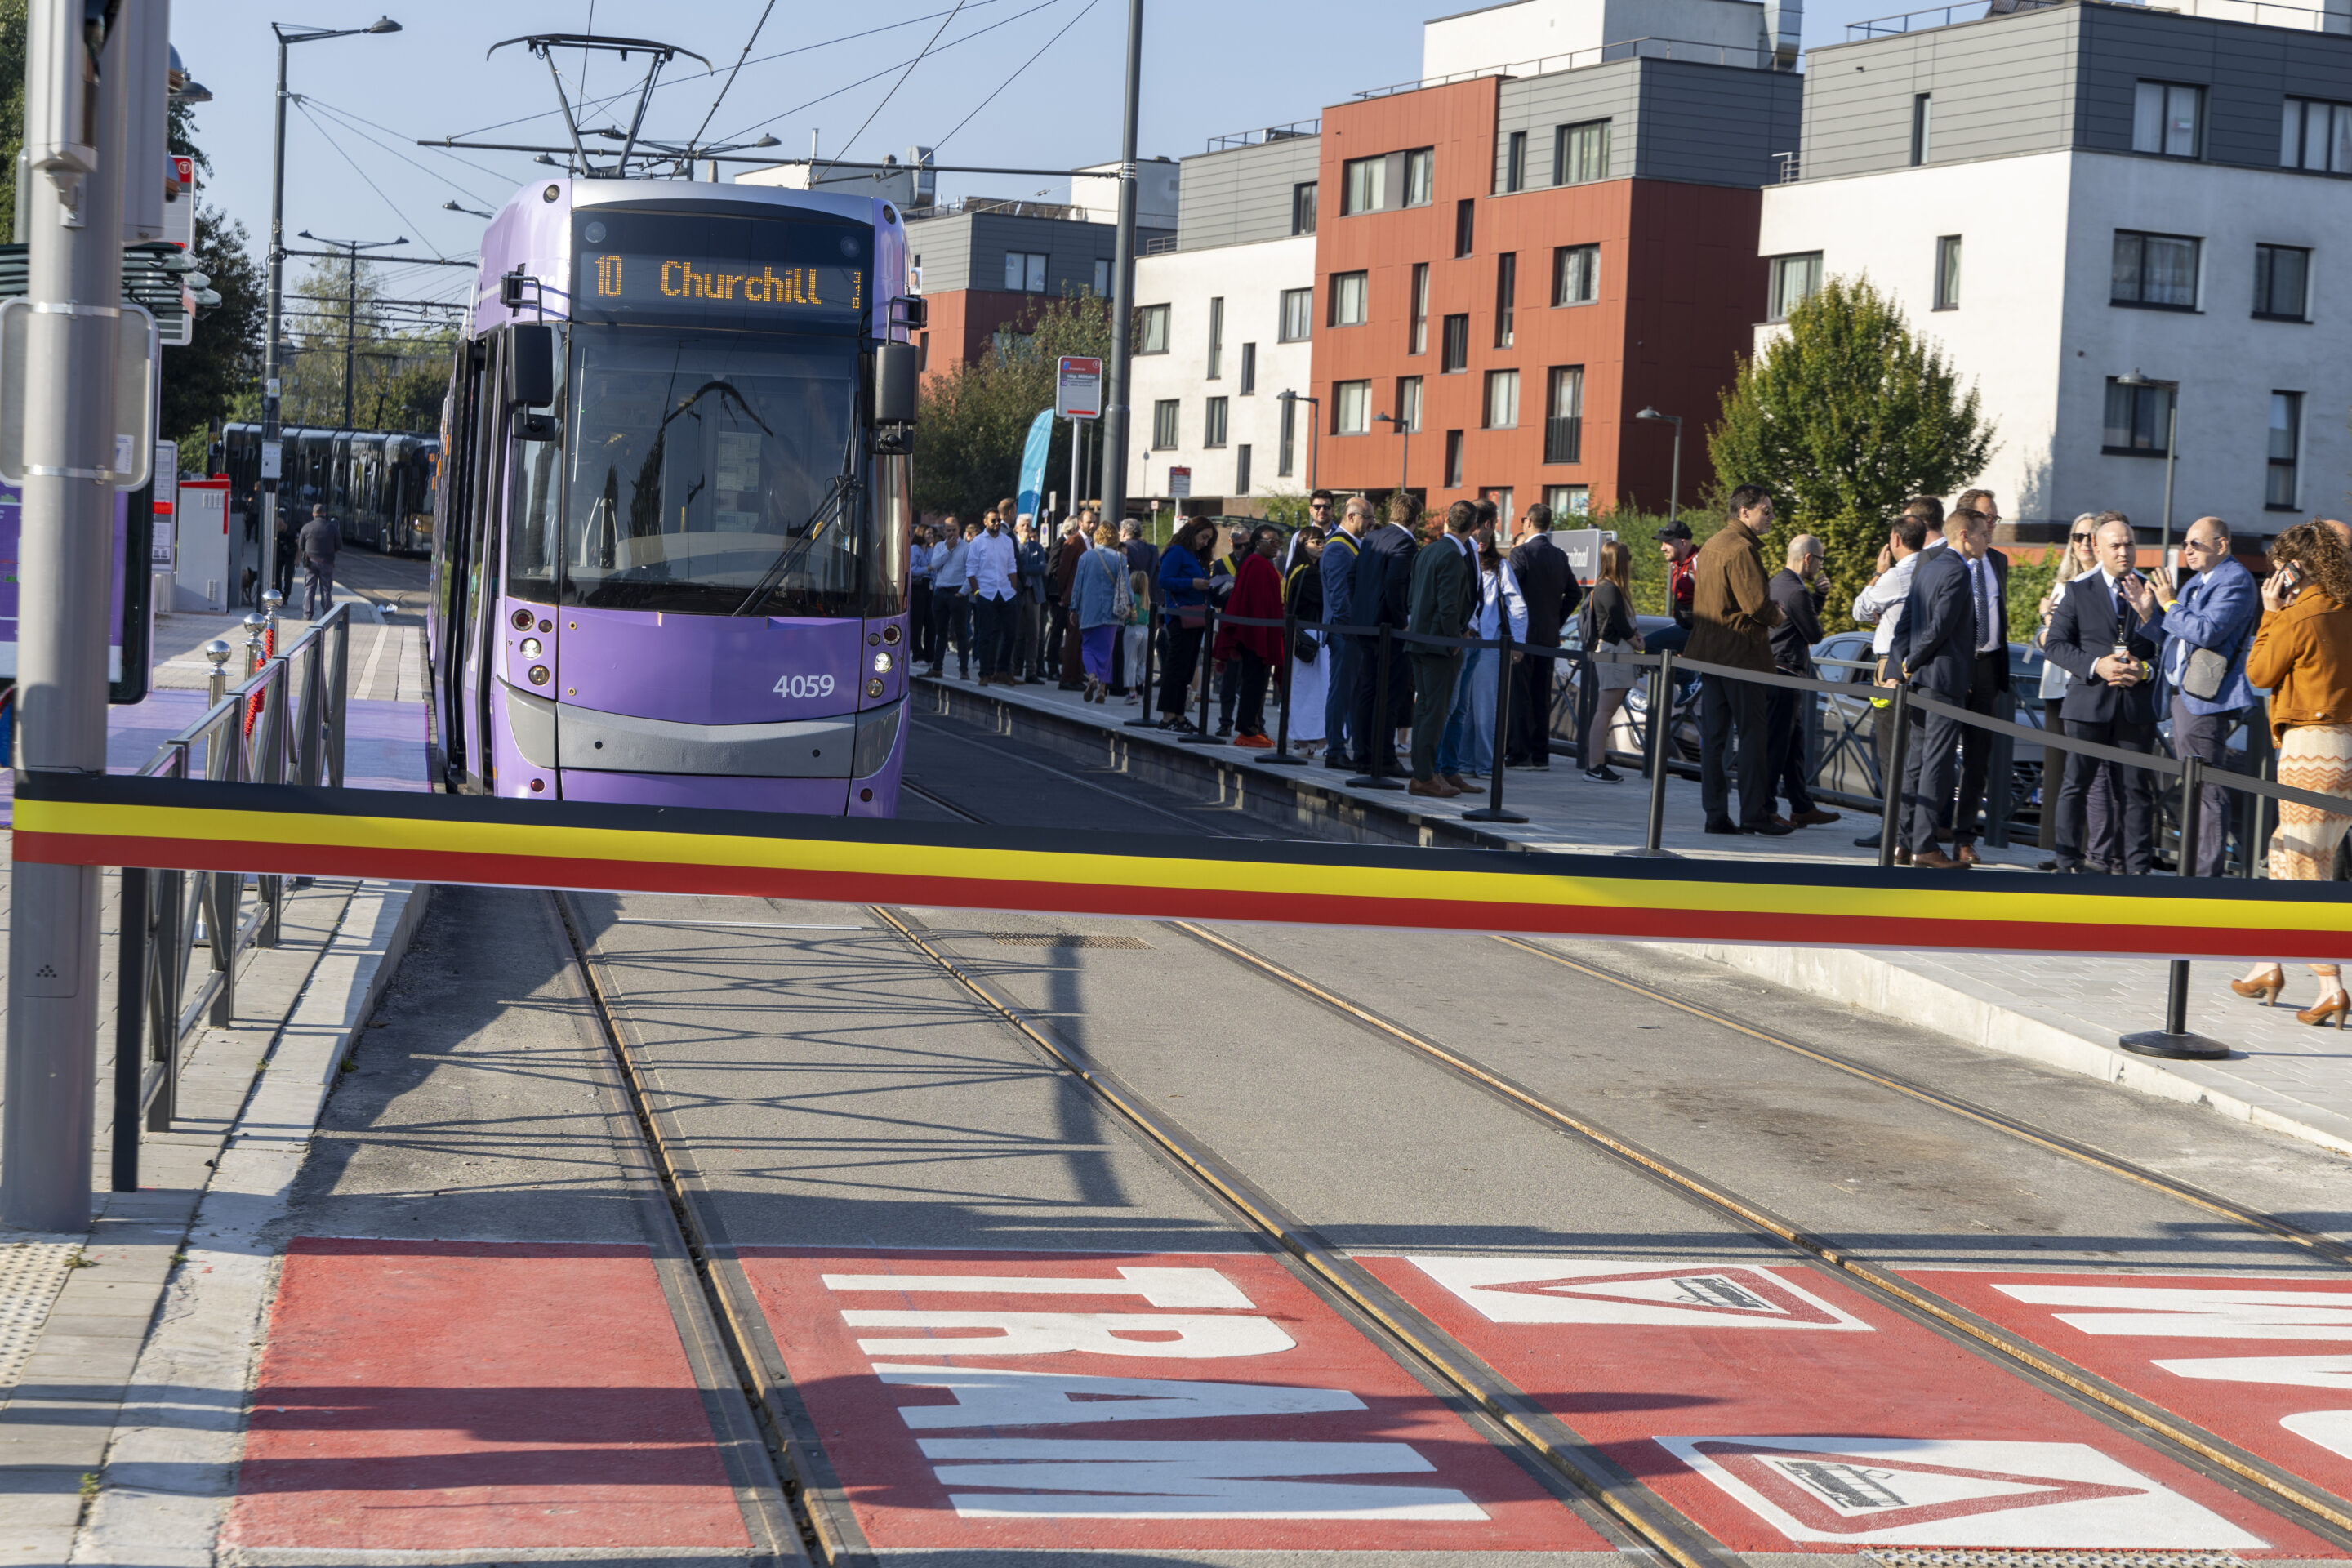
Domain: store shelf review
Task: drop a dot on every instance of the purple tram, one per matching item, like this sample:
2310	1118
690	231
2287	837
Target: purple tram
670	564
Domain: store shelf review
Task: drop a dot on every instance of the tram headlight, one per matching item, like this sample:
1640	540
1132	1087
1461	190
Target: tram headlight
873	689
881	664
537	676
530	648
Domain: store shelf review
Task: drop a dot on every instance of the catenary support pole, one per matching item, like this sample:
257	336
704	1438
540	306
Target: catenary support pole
270	368
1122	285
75	215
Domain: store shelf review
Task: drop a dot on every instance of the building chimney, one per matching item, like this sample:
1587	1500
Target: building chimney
1784	27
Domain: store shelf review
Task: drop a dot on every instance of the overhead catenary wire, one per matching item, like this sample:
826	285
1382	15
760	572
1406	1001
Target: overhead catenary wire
1009	80
362	174
356	121
816	176
724	87
885	71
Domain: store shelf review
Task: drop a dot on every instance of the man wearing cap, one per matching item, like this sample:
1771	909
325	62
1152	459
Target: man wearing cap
1682	582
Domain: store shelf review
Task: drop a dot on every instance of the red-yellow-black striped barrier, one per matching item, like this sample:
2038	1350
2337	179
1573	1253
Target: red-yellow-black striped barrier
286	828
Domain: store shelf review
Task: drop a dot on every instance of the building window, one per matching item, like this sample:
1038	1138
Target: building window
1465	226
2155	271
2286	440
1213	423
2282	283
1506	293
1417	331
1282	448
1240	470
1302	207
1408	404
1298	314
1923	114
2317	136
2166	119
1453	460
1564	415
1102	278
1569	500
1164	424
1456	353
1795	279
1515	162
1948	272
1216	339
1024	272
1351	407
1581	153
1575	274
2138	419
1249	369
1502	399
1348	291
1420	176
1363	186
1151	329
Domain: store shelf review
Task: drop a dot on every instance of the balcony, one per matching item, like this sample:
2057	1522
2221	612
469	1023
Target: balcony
2262	13
1742	55
1290	132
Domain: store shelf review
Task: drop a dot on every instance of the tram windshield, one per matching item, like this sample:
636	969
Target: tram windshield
695	460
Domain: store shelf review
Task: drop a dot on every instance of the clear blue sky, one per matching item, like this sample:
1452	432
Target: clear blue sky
1211	67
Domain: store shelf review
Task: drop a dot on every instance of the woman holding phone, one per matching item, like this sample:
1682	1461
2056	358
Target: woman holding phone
2303	655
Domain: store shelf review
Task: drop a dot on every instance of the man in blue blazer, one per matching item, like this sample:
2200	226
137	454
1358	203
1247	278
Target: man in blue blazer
2098	637
1380	594
2217	613
1946	620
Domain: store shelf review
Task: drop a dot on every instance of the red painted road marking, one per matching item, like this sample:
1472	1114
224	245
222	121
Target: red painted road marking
2246	1359
476	1397
1781	1410
1190	1402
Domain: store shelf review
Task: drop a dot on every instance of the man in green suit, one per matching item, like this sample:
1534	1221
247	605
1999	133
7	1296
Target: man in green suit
1444	593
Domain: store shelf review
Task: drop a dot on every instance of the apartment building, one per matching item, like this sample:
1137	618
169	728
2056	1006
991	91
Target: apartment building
1224	323
2118	222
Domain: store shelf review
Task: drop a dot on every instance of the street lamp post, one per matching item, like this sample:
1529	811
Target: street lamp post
270	357
1313	421
1405	434
352	248
1113	434
1674	488
2171	453
451	206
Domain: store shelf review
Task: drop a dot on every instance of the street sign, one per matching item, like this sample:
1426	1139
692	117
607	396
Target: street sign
273	460
1078	388
163	547
1180	483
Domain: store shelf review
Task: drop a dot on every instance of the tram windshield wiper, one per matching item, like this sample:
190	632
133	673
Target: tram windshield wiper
797	545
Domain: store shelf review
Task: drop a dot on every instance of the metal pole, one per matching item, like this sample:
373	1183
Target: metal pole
1382	728
351	321
2171	459
1492	810
1282	752
64	571
1205	669
1674	483
1890	812
270	367
1146	715
2175	1040
1122	310
1077	434
1662	724
131	935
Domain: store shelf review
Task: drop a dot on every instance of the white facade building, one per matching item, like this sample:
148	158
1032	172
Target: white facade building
2072	200
1537	36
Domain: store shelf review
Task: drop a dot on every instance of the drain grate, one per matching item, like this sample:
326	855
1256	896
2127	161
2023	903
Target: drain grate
1987	1559
31	1275
1061	938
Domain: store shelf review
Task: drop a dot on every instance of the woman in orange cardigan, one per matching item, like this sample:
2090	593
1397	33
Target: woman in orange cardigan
2303	655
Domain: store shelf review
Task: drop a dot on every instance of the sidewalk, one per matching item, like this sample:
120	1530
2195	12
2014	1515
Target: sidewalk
2063	1011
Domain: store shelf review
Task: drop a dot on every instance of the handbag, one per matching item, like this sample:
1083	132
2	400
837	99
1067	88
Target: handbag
2202	674
1303	646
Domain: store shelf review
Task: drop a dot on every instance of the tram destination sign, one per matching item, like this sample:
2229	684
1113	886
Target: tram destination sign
723	272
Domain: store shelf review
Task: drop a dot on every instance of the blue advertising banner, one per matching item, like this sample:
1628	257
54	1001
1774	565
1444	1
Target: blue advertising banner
1033	463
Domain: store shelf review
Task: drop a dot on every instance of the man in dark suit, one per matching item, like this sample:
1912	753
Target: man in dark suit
1988	675
1935	647
1549	586
1380	594
2097	638
1444	593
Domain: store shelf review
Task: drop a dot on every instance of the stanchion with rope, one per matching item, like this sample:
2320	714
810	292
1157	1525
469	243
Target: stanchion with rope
1890	810
1492	810
1206	669
1282	754
1661	736
1148	718
2174	1040
1376	775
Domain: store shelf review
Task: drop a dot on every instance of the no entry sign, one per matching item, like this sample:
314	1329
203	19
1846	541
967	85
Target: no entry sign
1781	1410
1189	1402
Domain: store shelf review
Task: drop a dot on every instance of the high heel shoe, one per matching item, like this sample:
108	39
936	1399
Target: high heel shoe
2267	989
2326	1009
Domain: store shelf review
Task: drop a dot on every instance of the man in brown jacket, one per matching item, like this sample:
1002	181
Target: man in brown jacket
1732	618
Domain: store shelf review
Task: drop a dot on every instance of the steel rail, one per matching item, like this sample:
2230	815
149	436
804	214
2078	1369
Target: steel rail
1954	1321
2025	1131
1627	1502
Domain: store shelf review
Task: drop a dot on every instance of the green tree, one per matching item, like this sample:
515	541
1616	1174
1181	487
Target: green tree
12	109
974	419
219	368
1844	417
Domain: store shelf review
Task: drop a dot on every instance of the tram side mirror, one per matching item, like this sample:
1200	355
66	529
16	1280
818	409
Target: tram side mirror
533	353
895	379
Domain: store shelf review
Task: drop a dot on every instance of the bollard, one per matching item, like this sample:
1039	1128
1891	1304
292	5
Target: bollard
2174	1040
1149	718
1375	775
1890	811
131	935
1492	810
1587	701
1207	668
1282	754
1662	730
256	629
216	684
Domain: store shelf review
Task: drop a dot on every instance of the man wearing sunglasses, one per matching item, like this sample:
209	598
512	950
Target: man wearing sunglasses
2208	626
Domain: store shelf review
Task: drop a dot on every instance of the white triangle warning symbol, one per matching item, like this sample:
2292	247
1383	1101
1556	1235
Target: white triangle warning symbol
1587	1290
1928	1493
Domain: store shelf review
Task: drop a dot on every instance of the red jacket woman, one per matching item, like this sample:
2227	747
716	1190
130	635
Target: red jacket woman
1257	595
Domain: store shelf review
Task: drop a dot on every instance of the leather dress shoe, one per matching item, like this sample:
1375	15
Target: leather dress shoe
1867	842
1814	817
1771	827
1723	825
1436	789
1966	855
1937	860
1902	855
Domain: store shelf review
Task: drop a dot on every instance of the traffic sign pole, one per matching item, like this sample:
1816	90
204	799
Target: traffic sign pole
65	565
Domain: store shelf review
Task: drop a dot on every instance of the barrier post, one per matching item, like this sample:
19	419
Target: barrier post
1207	671
1375	775
1890	811
131	936
1285	686
1492	810
2174	1040
2000	775
1587	701
1148	717
1662	729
